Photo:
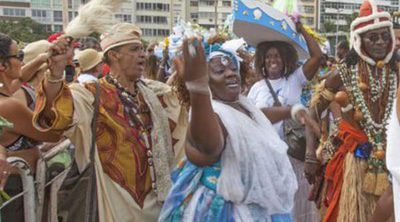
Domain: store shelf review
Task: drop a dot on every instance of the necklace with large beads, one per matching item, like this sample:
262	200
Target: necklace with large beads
138	113
374	130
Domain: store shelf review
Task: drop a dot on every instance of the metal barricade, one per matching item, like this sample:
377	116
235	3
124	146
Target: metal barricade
34	191
28	188
54	183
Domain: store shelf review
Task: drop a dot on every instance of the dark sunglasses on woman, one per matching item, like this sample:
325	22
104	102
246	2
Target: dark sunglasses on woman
20	56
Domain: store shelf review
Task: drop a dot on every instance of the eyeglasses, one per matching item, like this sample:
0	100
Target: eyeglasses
20	55
385	36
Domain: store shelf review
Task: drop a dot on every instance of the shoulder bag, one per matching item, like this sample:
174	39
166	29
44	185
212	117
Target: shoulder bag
77	197
294	132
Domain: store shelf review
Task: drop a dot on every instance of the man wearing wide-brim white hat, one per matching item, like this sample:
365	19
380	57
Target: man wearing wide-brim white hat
134	154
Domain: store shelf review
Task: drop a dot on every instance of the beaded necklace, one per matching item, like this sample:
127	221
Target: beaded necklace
138	114
377	84
374	129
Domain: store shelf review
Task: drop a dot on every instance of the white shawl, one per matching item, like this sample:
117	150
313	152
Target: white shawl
255	166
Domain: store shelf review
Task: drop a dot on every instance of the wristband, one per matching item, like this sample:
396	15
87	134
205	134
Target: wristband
50	80
199	86
347	108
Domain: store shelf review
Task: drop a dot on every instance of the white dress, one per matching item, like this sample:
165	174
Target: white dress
289	92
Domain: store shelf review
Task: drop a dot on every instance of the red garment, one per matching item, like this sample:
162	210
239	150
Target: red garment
54	36
105	71
351	138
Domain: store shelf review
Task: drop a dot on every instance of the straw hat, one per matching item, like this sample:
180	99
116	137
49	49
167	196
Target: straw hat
88	59
121	34
34	49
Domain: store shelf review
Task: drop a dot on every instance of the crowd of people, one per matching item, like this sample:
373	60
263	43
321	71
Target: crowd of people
207	134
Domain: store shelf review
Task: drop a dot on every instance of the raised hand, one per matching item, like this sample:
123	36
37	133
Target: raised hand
59	53
194	61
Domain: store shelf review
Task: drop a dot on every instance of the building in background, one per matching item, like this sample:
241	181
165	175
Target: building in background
209	13
338	12
309	13
12	10
155	17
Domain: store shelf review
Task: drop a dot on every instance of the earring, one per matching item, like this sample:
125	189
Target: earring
1	85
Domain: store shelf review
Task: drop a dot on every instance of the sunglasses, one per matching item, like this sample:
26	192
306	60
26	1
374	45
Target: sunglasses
220	63
386	37
20	56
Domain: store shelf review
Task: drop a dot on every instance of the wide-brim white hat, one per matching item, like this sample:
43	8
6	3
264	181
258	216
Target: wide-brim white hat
258	22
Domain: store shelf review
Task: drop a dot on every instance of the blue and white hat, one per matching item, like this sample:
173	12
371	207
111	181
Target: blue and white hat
258	22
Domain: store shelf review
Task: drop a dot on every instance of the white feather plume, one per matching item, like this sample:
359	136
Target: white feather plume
95	16
113	4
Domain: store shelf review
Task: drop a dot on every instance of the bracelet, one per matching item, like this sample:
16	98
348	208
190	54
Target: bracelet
54	81
347	108
310	158
312	161
199	86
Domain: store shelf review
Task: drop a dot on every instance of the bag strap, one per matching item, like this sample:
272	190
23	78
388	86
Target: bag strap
271	90
91	200
94	120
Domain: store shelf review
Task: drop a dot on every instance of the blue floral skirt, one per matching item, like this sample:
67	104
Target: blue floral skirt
194	190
